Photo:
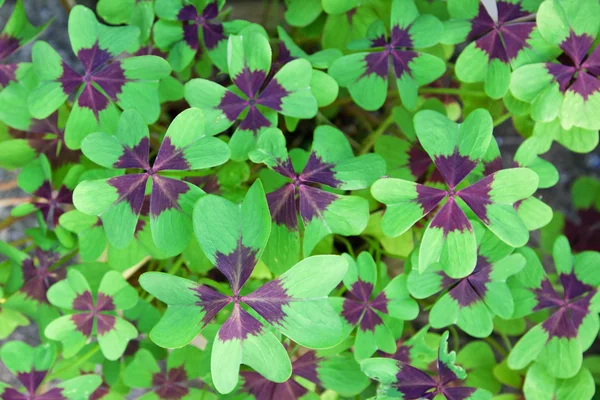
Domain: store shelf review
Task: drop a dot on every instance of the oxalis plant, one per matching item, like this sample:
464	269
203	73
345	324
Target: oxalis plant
300	199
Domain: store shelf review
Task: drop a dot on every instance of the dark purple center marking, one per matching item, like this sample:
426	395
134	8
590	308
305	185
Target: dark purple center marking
251	83
472	288
301	195
492	166
568	309
451	218
429	198
268	301
101	72
52	203
359	308
237	265
477	197
502	40
454	168
84	322
212	31
172	385
37	280
239	325
306	367
211	302
263	389
32	381
577	71
395	50
165	194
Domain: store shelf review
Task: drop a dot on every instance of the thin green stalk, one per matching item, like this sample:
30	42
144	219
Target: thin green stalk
498	121
496	346
347	243
77	363
455	91
372	138
506	341
455	337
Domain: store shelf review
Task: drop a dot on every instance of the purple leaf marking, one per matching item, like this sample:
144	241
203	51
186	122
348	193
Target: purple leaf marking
583	236
358	307
314	202
418	161
31	381
172	385
212	32
454	168
263	389
568	309
211	302
8	45
502	40
451	218
165	194
429	198
169	157
136	157
237	265
395	50
492	166
471	288
100	70
268	301
576	71
282	205
7	74
52	203
477	197
130	188
37	280
414	383
317	171
251	84
239	325
84	322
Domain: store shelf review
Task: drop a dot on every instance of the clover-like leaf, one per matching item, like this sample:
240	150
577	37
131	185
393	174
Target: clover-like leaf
339	373
262	96
332	164
567	88
30	365
366	74
573	323
185	146
92	315
456	150
471	302
499	41
173	382
370	312
17	32
233	237
539	384
404	381
129	82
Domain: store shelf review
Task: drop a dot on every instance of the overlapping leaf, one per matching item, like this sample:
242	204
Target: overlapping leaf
456	150
331	163
107	79
572	324
365	74
258	96
233	237
92	314
186	146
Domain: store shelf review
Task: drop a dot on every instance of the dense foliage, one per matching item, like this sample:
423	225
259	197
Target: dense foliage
187	242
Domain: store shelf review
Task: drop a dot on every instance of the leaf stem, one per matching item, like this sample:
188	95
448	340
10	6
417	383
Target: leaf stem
372	138
455	337
492	342
347	243
77	363
498	121
456	91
